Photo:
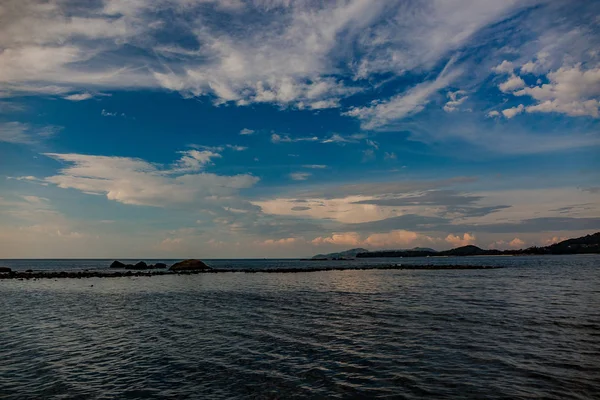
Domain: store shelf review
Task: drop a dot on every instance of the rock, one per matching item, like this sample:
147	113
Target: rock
189	265
160	265
117	264
29	271
5	269
140	265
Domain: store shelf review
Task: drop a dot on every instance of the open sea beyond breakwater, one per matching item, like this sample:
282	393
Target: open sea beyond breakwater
528	330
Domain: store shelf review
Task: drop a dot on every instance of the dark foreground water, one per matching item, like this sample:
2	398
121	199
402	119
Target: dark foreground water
528	331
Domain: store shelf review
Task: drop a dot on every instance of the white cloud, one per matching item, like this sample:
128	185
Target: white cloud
457	241
293	57
341	139
574	108
505	67
42	40
279	242
138	182
572	90
553	240
397	238
340	239
493	113
540	64
420	34
513	83
393	239
78	96
236	147
105	113
511	112
193	161
24	178
246	131
516	243
285	62
456	99
276	138
300	176
372	143
336	138
343	209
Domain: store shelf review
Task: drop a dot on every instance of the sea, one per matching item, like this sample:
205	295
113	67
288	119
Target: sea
530	330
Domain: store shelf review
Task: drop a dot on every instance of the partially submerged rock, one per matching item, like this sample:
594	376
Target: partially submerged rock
117	264
160	265
140	265
5	269
189	265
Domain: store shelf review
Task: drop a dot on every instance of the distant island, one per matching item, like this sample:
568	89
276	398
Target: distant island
588	244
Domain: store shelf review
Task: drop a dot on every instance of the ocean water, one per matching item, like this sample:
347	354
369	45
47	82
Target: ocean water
527	331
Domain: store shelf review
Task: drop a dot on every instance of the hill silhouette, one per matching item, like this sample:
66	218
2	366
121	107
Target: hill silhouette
340	255
588	244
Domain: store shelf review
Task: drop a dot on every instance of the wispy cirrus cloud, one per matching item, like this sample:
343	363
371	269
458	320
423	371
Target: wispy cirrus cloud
383	114
300	176
22	133
314	166
293	54
277	138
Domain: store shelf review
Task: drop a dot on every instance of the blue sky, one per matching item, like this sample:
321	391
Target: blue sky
181	128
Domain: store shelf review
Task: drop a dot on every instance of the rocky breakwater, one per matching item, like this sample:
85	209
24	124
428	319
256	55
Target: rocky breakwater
196	267
139	266
182	267
79	274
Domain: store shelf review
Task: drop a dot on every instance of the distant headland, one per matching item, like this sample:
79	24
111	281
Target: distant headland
589	244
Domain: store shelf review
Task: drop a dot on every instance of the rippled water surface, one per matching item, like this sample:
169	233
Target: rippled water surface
530	330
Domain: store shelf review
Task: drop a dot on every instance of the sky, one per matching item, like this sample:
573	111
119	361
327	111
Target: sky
273	128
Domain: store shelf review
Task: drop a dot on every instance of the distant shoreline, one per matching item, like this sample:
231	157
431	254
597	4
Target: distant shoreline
102	274
589	244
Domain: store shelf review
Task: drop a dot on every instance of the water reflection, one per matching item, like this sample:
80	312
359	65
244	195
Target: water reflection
530	330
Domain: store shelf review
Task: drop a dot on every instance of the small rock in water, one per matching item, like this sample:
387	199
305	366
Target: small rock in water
141	265
189	265
117	264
